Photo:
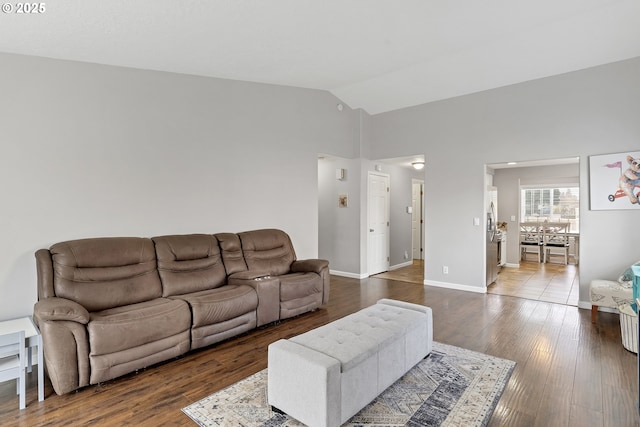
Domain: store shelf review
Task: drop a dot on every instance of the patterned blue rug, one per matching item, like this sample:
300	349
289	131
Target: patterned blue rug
451	387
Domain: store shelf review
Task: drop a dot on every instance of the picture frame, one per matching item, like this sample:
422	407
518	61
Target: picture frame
343	200
614	181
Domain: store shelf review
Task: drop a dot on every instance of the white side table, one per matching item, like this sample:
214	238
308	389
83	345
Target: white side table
33	339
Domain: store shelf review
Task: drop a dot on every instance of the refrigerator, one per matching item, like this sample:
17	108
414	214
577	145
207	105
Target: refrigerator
492	235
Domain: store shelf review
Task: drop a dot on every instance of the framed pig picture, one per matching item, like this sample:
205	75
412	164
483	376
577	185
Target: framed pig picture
614	181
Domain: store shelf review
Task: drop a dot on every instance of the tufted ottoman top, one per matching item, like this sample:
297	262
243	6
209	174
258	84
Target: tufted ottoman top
354	338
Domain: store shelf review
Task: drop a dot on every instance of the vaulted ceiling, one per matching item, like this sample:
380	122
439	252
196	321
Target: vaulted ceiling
372	54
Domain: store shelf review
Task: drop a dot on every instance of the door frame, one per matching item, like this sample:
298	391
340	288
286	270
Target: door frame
415	181
387	215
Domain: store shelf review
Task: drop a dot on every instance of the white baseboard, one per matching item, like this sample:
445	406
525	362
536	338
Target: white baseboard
456	286
584	304
404	264
349	275
512	265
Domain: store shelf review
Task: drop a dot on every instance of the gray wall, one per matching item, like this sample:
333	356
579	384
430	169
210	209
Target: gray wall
585	113
91	150
339	228
508	183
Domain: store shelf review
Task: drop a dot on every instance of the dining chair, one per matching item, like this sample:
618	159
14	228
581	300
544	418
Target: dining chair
531	240
556	238
12	362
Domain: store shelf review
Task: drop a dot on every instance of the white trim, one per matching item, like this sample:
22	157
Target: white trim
566	182
456	286
419	182
349	275
404	264
512	265
387	214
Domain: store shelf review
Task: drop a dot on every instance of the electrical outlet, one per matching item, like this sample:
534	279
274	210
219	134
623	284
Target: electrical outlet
445	269
406	255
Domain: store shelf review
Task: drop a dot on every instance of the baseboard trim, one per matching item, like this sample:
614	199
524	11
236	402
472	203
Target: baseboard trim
349	275
404	264
456	286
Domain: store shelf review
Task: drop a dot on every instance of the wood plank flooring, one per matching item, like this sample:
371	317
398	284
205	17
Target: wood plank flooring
569	372
539	281
549	282
413	273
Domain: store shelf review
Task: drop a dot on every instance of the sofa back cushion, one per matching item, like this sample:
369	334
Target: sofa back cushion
189	263
268	250
231	250
105	272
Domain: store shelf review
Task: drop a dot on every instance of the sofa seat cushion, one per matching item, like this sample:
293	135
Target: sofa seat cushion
220	304
130	326
299	285
360	335
609	293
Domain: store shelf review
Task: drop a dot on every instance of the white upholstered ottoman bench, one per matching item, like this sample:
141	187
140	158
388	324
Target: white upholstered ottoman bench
327	375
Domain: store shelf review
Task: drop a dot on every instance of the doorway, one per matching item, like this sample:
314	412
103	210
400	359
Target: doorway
413	273
544	191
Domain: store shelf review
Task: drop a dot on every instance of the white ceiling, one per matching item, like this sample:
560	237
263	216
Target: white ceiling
372	54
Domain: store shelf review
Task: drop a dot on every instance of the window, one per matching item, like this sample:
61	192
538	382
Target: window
551	204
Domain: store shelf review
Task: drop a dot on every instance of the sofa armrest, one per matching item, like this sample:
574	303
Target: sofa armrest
62	323
60	309
309	265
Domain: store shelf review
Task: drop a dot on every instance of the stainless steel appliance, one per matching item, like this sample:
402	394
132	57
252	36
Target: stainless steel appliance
492	236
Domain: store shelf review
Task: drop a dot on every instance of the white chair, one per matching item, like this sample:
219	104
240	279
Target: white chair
530	240
556	239
12	361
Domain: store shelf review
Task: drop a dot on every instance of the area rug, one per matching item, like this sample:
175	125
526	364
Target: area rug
451	387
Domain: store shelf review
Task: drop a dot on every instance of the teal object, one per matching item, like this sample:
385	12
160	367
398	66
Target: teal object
636	285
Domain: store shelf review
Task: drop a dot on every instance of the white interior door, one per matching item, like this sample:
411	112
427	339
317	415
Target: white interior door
378	241
416	219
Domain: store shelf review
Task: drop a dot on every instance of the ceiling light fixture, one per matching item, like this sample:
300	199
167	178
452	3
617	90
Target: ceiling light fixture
418	165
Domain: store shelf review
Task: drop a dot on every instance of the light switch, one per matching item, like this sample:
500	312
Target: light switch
513	218
409	209
476	221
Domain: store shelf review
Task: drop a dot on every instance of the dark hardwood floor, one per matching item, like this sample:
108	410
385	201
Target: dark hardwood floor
569	372
551	282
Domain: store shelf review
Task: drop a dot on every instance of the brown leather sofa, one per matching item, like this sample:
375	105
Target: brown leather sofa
108	306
